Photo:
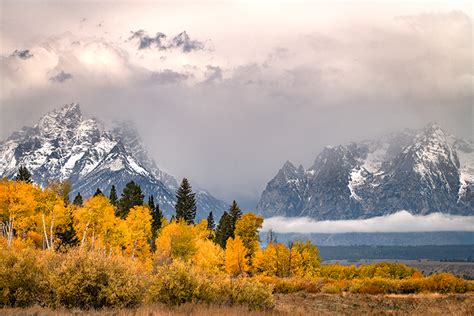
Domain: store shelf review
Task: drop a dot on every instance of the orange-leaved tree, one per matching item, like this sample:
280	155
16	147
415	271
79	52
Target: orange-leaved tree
236	262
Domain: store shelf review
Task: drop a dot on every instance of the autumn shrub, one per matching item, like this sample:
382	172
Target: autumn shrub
409	286
252	294
336	287
286	286
373	286
24	279
387	270
173	284
91	280
445	283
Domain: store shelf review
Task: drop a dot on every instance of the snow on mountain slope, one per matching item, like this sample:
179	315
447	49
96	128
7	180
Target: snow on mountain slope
420	171
65	145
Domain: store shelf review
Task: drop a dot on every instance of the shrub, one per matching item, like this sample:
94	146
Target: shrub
90	280
331	288
336	287
253	294
312	285
286	286
445	283
173	284
409	286
23	279
373	286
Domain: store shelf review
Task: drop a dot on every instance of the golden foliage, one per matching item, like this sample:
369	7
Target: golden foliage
236	262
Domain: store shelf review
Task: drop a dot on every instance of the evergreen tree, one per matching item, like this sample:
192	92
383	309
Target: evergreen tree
157	218
113	196
67	236
185	202
235	213
23	175
131	196
224	230
210	222
151	203
98	192
78	200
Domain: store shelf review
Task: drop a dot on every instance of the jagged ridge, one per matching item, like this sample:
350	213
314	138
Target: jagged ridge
421	172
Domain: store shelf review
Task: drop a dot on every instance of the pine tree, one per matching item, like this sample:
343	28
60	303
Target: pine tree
185	202
113	196
78	200
235	213
131	196
223	230
68	237
157	218
210	222
23	175
98	192
151	203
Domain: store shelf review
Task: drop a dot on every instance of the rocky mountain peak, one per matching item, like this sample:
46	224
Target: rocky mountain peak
65	145
420	171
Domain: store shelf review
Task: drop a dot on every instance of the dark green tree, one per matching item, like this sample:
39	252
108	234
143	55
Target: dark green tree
185	202
223	230
131	196
210	222
67	235
156	223
23	175
151	203
98	192
235	213
113	196
78	200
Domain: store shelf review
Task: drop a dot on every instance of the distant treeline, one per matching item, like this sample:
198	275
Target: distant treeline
463	253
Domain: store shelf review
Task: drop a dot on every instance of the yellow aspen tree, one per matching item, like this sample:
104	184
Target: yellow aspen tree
177	240
209	256
138	222
93	220
235	257
247	228
307	261
17	205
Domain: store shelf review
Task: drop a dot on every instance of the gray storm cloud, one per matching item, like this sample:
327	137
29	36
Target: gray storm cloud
181	41
401	221
61	77
23	54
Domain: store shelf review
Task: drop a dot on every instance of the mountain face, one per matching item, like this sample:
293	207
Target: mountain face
422	172
65	145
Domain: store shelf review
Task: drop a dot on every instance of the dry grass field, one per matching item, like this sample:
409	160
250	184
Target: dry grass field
301	303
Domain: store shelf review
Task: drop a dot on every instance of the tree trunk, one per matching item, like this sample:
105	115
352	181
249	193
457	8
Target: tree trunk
51	239
10	232
44	231
93	237
134	248
84	235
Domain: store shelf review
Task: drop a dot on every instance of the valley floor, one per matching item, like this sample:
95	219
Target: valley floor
302	303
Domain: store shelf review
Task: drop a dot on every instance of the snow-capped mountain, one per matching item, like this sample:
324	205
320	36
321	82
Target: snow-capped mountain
65	145
421	172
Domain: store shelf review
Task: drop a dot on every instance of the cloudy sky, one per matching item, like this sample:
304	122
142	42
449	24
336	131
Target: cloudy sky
224	92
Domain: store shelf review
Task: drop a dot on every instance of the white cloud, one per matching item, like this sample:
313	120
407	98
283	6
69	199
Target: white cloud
401	221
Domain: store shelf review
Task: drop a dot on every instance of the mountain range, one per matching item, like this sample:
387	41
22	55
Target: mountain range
422	172
64	145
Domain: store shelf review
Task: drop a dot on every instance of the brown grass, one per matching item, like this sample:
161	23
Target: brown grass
301	303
